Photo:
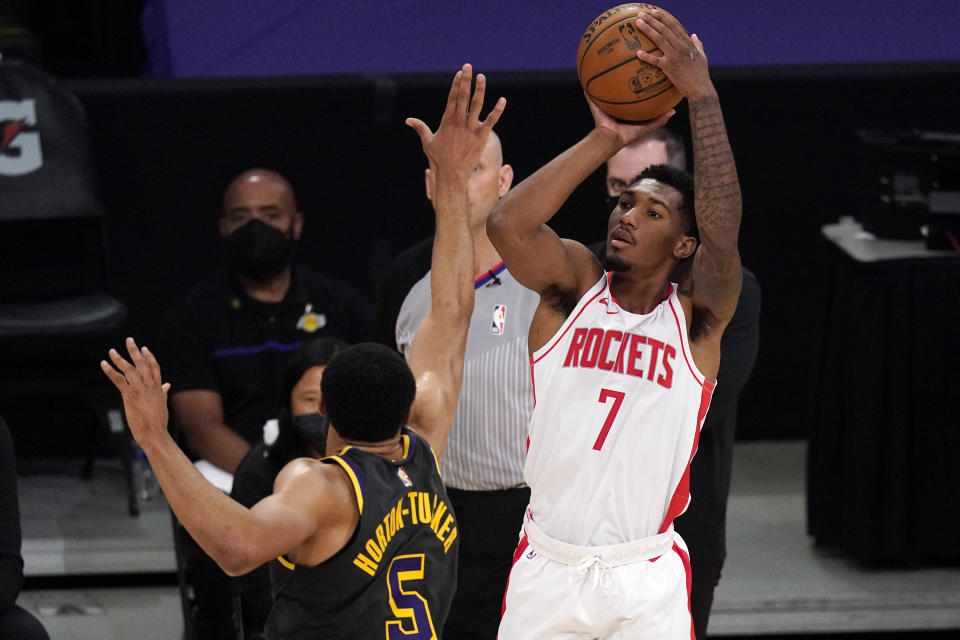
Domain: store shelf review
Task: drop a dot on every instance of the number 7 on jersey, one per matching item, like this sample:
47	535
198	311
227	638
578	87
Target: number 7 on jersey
606	394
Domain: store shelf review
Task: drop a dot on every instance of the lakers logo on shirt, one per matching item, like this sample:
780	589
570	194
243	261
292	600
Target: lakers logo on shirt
499	319
311	321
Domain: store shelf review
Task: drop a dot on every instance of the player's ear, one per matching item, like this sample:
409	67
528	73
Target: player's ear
506	179
685	247
428	183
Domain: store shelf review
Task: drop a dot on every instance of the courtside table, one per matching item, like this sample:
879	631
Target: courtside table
883	483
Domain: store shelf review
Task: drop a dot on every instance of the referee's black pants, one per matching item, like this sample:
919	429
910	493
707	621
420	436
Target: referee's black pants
488	524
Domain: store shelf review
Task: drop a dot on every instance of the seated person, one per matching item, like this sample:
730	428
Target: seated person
300	431
228	340
15	623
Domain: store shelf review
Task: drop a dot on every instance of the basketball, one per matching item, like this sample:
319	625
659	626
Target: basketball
613	77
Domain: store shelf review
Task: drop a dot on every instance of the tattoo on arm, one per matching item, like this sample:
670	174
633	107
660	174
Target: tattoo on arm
717	189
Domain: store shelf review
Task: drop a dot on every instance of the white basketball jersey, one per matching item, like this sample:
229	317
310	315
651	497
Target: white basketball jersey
619	404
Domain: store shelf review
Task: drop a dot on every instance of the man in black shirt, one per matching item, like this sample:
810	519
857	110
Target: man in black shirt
367	534
228	340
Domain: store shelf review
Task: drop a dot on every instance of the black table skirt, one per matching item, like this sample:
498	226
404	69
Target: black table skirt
884	460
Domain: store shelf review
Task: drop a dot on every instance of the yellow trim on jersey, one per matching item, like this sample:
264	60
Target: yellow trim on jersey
436	461
286	563
406	445
353	478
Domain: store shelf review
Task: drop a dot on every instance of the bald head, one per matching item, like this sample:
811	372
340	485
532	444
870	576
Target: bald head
489	182
260	194
259	179
494	150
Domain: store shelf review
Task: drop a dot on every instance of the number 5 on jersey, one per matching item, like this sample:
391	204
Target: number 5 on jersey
414	620
617	396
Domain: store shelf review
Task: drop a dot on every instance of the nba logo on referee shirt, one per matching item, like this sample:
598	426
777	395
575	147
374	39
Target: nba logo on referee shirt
499	319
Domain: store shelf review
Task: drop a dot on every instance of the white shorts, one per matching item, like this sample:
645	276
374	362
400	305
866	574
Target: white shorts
636	590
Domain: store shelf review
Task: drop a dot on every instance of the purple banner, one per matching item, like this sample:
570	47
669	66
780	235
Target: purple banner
252	38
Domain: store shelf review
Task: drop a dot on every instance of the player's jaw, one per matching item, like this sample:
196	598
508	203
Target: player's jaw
618	239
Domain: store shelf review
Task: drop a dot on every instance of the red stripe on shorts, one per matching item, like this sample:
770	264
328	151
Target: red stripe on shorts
521	548
685	559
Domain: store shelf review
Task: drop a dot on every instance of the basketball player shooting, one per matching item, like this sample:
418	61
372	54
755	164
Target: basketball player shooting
624	364
363	543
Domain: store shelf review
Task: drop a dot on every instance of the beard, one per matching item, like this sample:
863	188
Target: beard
613	262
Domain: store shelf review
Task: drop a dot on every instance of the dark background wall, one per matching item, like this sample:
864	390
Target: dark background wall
165	150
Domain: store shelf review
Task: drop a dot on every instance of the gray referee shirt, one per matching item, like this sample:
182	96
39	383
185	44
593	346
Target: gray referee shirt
488	440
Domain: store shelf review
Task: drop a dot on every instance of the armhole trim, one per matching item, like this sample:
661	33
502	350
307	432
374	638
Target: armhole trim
353	478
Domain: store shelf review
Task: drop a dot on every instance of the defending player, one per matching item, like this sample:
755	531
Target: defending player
623	364
364	542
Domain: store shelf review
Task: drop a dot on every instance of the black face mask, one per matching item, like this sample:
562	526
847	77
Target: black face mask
312	429
258	250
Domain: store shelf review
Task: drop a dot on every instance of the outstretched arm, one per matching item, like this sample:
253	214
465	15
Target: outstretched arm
237	538
436	356
716	274
536	256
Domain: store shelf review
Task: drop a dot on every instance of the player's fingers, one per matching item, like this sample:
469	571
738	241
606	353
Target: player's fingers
165	387
150	361
671	23
650	58
657	32
421	128
494	116
476	103
115	376
466	79
452	96
135	356
698	44
120	363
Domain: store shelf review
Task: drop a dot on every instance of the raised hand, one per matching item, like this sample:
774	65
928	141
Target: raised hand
627	132
143	391
461	137
683	59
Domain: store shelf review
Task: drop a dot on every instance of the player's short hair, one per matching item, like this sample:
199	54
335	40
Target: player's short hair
368	390
680	180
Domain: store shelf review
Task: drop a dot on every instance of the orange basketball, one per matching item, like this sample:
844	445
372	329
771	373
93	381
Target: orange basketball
611	74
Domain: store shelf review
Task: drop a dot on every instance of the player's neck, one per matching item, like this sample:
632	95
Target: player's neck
392	448
639	293
272	289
